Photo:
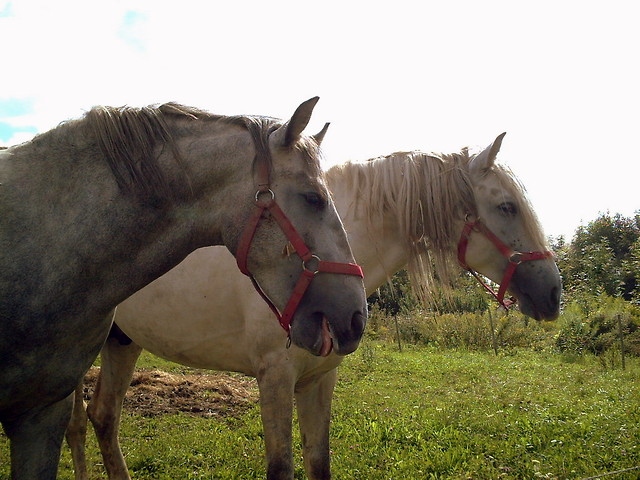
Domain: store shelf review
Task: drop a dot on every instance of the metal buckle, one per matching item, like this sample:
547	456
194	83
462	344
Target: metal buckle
268	202
516	258
312	270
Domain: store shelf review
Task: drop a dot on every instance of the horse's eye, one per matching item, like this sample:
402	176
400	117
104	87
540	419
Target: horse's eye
315	200
508	209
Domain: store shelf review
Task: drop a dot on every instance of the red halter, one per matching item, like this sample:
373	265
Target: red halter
515	258
311	264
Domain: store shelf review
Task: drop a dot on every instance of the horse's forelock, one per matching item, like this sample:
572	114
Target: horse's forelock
516	190
310	150
260	128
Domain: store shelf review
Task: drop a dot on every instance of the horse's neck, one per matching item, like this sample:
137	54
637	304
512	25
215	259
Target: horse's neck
92	234
377	247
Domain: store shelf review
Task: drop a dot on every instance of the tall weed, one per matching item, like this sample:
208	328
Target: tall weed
590	324
462	330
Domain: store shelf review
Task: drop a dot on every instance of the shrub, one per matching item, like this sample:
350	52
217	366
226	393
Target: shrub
590	324
462	330
396	296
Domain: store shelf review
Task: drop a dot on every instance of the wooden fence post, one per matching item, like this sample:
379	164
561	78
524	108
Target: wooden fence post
395	317
621	337
493	332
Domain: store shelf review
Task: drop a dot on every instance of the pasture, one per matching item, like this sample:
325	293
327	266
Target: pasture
423	413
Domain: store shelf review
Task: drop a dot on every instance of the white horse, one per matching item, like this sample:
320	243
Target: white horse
97	208
403	208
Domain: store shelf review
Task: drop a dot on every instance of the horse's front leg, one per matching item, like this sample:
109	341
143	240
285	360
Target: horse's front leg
36	439
314	413
76	434
105	408
276	383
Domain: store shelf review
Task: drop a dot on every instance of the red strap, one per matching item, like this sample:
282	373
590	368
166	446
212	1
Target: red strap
305	280
301	249
499	244
289	230
504	284
515	258
267	300
242	253
294	300
341	268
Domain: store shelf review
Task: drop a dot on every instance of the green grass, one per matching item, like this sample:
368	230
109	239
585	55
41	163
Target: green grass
420	414
456	414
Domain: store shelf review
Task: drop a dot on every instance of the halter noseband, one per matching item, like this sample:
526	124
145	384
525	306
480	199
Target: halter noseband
311	264
515	258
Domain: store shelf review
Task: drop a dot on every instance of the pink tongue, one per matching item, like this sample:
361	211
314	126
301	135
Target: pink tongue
327	342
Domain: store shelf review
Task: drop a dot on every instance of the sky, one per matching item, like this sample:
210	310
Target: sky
561	77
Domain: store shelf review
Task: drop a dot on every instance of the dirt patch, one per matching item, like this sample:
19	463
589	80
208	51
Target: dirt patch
154	392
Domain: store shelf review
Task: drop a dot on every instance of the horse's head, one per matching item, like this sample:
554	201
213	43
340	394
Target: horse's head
509	239
332	311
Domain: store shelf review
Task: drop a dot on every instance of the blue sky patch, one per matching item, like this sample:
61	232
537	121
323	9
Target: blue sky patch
14	107
7	131
131	17
6	10
128	30
9	109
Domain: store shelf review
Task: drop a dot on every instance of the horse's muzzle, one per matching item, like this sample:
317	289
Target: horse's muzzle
350	340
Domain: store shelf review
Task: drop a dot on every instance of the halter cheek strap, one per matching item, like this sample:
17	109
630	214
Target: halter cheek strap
311	264
515	258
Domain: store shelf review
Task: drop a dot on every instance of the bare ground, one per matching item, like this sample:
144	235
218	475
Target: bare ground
155	392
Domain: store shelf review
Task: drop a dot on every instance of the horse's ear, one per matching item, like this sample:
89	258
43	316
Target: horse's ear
318	137
289	133
485	159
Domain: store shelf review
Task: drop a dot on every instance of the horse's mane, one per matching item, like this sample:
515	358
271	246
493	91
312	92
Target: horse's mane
127	136
425	193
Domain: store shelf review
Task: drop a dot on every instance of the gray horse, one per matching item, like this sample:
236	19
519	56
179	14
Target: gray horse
98	207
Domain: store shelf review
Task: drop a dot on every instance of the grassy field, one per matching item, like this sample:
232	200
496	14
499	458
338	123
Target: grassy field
420	414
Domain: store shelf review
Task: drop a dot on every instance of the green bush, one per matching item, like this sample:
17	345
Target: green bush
396	296
590	324
463	330
458	318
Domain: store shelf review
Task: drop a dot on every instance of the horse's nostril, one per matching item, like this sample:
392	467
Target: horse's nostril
358	321
555	295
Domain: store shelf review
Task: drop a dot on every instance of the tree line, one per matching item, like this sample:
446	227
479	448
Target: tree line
602	258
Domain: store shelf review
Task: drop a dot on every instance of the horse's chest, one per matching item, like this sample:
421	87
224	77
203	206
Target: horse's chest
36	366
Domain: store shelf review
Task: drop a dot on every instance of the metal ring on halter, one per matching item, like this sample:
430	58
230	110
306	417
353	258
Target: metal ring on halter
304	264
516	257
273	195
471	219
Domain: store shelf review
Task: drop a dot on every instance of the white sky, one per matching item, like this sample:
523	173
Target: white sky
561	77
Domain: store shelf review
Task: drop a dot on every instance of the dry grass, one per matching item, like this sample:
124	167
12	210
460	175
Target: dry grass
155	392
